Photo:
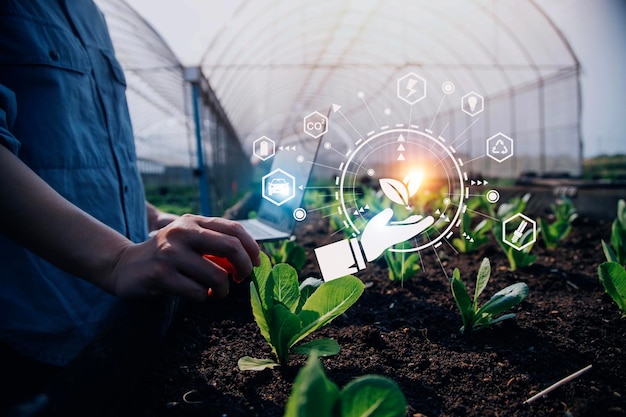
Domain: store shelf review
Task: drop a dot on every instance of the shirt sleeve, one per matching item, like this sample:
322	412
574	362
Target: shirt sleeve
8	112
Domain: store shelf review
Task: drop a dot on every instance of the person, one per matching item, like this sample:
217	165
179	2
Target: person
76	262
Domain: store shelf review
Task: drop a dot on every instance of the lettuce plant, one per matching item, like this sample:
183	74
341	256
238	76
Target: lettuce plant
402	265
517	258
475	317
613	277
286	251
564	214
616	251
286	311
472	239
314	395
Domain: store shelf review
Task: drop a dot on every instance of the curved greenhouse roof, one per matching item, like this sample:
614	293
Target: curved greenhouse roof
269	63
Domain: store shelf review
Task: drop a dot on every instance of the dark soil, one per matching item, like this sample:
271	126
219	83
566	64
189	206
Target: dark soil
410	332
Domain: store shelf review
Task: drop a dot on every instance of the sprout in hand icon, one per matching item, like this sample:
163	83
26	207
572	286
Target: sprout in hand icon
379	234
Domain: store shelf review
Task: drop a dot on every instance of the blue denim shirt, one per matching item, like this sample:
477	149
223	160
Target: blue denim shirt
63	112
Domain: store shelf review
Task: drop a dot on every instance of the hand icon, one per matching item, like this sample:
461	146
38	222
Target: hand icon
380	233
350	255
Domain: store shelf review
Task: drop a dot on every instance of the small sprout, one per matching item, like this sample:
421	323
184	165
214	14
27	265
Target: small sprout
564	214
475	318
286	311
314	395
402	265
286	251
471	239
613	277
400	192
517	258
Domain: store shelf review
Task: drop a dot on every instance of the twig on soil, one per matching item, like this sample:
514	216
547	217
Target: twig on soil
558	384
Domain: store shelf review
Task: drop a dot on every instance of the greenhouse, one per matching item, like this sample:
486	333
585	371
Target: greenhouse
274	62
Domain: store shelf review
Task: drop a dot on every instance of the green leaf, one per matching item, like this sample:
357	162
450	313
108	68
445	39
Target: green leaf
504	299
618	241
286	289
248	363
261	278
519	258
329	301
608	252
323	347
621	213
296	256
502	318
613	278
372	396
307	287
261	316
482	278
462	298
283	326
313	394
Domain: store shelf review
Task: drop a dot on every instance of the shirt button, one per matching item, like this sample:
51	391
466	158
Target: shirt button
126	188
54	55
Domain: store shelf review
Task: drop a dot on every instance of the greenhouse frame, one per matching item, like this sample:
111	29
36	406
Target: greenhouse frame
273	62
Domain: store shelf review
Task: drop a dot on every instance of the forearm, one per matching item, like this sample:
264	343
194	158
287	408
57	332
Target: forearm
40	219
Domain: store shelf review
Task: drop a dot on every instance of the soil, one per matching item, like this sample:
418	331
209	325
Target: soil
409	331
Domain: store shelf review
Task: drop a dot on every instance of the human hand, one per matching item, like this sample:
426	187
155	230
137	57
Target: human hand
380	234
173	260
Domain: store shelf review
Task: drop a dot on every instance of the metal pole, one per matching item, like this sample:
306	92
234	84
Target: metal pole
205	207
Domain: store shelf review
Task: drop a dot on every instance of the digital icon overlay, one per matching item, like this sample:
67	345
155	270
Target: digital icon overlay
278	187
399	187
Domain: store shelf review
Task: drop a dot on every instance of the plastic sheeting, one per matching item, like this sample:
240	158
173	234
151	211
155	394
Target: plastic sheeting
272	62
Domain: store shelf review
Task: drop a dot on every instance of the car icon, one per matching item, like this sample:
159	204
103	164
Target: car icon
278	186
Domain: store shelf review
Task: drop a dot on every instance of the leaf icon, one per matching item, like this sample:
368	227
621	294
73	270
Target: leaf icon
413	182
395	190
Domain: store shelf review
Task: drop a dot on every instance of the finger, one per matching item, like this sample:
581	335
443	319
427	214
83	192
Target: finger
229	240
236	230
409	220
407	231
204	272
381	220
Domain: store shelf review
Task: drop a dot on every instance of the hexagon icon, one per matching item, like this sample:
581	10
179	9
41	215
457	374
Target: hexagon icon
519	238
472	103
263	148
278	187
315	124
499	147
411	88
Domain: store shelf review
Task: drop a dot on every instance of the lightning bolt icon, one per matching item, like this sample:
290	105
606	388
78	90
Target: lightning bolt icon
409	86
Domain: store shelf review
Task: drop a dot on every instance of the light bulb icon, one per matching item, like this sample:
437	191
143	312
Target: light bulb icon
472	101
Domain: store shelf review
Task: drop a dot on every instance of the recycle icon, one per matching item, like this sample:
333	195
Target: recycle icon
499	148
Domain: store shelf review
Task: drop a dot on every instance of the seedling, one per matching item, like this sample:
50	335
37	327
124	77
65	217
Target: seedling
402	265
471	239
286	251
616	252
517	258
286	311
564	214
613	278
475	318
314	395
